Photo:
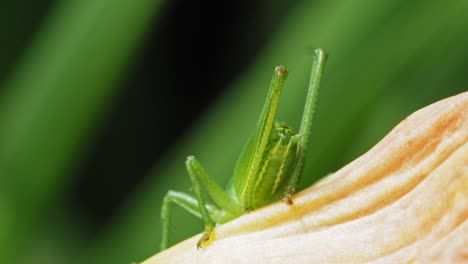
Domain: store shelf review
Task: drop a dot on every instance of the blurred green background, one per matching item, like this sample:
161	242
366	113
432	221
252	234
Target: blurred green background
101	101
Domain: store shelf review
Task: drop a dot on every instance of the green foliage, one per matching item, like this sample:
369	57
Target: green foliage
56	93
386	60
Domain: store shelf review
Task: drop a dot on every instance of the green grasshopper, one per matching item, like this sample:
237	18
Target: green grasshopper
267	170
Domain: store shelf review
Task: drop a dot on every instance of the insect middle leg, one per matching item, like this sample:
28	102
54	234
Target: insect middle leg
190	204
228	208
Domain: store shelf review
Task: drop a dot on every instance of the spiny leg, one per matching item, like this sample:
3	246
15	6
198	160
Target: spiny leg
209	224
306	122
249	163
199	176
215	191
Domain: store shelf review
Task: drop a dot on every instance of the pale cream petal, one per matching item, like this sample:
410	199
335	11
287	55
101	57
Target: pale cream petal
404	201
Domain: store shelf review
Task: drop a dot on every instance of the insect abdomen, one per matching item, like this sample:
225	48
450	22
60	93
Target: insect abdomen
275	168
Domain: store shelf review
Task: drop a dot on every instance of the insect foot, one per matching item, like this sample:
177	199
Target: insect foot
287	199
205	240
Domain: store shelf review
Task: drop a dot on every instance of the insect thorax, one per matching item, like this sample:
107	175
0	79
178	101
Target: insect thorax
275	168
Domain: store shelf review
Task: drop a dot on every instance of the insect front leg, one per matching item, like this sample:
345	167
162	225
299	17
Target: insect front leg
229	207
196	185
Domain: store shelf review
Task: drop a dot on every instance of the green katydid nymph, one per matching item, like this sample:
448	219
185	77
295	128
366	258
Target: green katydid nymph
268	169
